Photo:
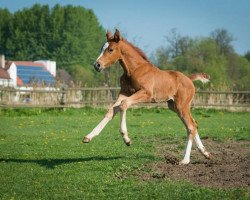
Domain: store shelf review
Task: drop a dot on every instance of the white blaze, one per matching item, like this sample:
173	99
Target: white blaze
105	46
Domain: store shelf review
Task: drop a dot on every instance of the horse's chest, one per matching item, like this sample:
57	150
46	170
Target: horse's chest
128	85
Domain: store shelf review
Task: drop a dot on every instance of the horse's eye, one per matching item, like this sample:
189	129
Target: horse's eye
110	50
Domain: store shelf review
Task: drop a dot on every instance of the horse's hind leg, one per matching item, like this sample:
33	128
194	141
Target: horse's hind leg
171	105
201	146
192	134
183	115
191	130
189	123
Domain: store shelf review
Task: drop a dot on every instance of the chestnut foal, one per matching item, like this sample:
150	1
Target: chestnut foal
143	82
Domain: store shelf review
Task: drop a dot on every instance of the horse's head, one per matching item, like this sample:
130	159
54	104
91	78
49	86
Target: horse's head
110	52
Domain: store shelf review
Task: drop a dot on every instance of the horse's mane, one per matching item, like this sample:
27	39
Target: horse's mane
138	50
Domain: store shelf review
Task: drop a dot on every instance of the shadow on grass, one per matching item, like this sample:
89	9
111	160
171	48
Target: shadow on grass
51	163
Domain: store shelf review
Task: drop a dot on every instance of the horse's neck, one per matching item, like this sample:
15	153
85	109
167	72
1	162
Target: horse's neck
127	70
130	61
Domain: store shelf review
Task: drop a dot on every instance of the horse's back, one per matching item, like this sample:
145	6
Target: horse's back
169	84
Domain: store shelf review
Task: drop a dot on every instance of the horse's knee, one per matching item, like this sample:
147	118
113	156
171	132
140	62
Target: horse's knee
124	105
110	114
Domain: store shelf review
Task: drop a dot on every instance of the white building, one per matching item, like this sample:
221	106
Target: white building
25	73
50	66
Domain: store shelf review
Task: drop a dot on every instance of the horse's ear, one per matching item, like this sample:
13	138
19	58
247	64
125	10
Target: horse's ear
108	35
117	35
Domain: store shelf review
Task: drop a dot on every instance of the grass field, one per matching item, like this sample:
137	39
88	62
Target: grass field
42	157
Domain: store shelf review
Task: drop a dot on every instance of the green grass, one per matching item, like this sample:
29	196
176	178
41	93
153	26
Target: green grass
42	157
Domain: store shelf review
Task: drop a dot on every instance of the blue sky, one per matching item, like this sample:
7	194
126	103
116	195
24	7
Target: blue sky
147	22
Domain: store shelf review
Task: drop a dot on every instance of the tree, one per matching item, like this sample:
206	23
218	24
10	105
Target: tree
5	26
239	72
82	76
223	39
70	35
238	68
178	45
247	56
203	56
161	57
190	55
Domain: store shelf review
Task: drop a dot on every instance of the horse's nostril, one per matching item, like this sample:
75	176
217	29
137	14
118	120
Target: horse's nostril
97	66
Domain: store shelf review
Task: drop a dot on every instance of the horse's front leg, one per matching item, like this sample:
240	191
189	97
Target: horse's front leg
123	129
140	96
110	114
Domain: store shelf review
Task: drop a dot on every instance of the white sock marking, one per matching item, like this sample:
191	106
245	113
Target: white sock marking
186	159
123	129
198	142
123	122
96	131
201	146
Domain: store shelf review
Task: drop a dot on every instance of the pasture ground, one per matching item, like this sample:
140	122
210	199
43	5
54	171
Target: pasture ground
42	157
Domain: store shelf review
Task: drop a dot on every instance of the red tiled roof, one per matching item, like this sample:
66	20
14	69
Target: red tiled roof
29	63
4	74
19	81
7	65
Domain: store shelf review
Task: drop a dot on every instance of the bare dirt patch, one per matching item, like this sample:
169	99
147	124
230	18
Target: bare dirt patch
228	168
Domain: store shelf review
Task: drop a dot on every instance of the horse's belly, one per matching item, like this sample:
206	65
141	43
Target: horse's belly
162	96
164	92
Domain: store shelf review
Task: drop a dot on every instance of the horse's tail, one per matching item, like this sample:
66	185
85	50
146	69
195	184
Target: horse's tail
204	78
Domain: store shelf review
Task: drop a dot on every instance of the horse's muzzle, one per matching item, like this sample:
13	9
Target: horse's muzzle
98	66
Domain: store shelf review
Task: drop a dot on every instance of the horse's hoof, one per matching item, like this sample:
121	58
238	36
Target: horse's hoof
208	155
128	143
184	162
86	140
